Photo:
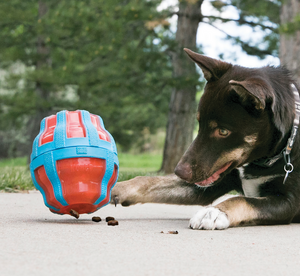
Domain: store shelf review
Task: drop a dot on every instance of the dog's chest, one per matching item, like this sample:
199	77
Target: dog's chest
251	184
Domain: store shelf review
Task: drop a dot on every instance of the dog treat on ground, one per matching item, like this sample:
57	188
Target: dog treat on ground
112	222
169	232
74	213
109	218
96	219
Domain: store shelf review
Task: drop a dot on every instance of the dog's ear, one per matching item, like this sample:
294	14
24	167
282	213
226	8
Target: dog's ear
255	91
258	92
212	69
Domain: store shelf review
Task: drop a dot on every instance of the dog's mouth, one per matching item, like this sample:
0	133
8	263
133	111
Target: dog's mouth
214	177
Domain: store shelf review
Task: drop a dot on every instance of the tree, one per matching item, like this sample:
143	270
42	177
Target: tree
104	56
113	58
264	15
43	62
290	37
180	125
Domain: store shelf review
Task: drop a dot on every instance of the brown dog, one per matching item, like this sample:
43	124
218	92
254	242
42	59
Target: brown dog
247	142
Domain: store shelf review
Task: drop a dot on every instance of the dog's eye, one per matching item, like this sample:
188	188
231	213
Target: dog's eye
223	132
220	132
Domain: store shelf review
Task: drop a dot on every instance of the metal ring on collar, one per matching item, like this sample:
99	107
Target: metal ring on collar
288	165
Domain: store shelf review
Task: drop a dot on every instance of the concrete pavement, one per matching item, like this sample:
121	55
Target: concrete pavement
33	241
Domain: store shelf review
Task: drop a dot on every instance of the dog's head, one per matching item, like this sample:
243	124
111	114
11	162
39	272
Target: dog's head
244	114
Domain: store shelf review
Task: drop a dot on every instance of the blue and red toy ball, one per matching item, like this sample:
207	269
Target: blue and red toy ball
74	162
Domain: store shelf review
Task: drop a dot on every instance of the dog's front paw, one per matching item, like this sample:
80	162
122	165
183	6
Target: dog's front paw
209	218
130	192
123	193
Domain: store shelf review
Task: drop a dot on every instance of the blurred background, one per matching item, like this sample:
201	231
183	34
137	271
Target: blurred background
124	60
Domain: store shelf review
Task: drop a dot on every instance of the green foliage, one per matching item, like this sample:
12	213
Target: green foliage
112	58
263	16
107	57
266	14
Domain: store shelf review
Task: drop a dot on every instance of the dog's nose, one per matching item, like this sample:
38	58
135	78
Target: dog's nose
184	171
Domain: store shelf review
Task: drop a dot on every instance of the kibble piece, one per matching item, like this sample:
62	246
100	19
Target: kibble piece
107	219
169	232
112	222
96	219
74	213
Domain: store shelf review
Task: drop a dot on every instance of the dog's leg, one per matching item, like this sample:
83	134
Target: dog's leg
245	211
165	189
158	189
231	212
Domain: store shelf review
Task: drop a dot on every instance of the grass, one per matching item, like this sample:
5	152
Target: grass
142	162
13	162
15	174
134	165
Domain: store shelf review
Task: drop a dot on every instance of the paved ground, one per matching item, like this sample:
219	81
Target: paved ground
33	241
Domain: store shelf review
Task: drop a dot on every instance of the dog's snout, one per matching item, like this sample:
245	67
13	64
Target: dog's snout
184	171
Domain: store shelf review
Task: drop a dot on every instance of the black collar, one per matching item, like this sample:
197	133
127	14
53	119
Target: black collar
285	153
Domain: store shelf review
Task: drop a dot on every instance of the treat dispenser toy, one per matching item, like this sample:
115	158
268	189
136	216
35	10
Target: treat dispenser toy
74	162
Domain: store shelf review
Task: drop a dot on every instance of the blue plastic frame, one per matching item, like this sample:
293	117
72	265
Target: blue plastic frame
63	147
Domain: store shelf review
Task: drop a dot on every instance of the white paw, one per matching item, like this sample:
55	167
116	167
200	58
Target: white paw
209	218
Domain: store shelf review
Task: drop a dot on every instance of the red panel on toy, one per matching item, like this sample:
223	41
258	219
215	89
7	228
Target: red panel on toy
44	182
48	133
75	126
101	132
80	178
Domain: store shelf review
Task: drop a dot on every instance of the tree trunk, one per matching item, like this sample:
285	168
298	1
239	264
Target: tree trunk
182	107
42	92
290	43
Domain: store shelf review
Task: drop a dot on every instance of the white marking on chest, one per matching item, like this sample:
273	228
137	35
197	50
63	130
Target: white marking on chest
251	185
